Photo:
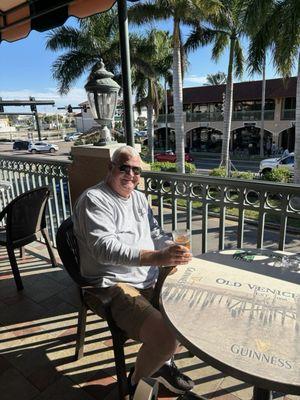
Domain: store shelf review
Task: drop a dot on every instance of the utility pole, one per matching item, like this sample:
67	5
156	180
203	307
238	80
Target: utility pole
33	107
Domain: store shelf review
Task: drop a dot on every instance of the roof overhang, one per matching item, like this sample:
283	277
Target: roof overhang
19	17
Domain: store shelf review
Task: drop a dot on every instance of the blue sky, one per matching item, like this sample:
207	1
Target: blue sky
25	70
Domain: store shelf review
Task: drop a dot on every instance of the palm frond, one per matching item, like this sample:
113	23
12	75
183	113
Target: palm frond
238	59
64	37
200	36
221	42
142	13
69	67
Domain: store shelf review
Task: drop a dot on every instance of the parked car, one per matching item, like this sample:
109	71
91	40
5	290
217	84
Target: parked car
72	137
170	156
270	163
141	133
21	144
41	147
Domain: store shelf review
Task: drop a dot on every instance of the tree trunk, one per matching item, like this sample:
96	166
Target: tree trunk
263	101
297	128
225	161
150	131
166	115
177	99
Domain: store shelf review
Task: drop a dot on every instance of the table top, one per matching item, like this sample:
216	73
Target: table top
240	314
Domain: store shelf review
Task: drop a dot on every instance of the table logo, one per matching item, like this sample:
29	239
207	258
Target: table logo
261	356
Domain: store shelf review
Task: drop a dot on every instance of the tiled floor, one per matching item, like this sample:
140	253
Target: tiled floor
37	337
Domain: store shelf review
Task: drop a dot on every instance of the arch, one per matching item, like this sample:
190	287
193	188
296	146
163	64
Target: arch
286	139
247	139
204	138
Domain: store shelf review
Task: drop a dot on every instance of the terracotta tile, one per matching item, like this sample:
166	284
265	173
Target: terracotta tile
63	389
43	377
15	386
99	386
4	364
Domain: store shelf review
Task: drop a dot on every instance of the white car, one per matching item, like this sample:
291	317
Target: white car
270	163
72	137
42	147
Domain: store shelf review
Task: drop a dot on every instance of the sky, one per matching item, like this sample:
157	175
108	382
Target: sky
25	70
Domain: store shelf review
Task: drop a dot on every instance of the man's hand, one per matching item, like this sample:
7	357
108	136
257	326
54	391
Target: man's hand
169	256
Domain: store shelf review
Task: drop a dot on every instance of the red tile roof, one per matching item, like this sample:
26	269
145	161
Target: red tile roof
241	91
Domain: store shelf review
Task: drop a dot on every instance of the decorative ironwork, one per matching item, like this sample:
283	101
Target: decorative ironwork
216	196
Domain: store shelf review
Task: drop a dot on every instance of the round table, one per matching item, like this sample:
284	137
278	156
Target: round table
240	314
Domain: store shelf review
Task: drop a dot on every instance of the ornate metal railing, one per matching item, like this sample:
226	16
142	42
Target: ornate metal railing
201	197
191	200
25	174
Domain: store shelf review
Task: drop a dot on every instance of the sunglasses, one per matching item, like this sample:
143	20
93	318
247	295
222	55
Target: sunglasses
127	168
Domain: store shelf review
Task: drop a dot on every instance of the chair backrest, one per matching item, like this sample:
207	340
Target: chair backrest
68	251
25	215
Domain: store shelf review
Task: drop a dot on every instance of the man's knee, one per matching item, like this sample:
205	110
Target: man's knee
156	333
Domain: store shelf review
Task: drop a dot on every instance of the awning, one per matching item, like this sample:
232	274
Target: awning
19	17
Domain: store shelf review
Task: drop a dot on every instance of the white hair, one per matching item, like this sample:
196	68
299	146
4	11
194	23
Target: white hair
124	150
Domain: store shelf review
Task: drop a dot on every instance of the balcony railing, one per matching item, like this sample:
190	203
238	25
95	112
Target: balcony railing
254	115
204	197
192	200
25	174
162	118
289	114
204	117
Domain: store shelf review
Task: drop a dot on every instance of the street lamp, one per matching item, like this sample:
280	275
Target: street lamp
102	92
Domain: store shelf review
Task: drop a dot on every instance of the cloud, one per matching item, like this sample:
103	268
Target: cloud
74	97
194	80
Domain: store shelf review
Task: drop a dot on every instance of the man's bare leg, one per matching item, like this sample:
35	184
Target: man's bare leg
159	345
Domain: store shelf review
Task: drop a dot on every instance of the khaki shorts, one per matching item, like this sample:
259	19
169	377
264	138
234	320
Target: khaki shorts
130	307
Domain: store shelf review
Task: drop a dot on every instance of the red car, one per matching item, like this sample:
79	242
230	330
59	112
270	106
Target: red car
170	156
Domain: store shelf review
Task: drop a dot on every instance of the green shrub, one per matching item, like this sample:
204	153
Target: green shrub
242	175
171	167
280	174
220	171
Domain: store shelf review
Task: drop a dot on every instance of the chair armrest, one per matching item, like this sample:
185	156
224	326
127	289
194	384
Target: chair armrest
163	273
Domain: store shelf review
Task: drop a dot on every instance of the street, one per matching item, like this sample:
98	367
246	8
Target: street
203	164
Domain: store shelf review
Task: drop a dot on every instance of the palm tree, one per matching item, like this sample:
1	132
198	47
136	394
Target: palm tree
216	79
157	51
181	12
96	38
281	32
226	30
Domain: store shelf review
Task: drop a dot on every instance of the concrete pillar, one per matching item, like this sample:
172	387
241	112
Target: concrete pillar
89	166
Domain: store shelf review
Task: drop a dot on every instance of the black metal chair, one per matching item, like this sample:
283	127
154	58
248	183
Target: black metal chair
69	254
25	223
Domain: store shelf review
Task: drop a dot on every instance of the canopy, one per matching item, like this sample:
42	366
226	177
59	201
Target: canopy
19	17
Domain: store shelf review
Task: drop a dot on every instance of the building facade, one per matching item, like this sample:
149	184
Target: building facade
203	118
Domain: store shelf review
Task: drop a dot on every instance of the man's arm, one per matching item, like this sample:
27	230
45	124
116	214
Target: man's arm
168	256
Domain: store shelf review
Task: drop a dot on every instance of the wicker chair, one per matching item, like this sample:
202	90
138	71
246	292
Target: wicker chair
25	223
69	254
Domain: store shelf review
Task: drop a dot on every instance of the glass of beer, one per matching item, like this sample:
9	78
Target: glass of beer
182	237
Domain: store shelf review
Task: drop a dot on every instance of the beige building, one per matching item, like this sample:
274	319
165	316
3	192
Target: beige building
203	117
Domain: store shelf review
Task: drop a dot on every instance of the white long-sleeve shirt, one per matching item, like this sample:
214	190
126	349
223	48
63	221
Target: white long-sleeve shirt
111	230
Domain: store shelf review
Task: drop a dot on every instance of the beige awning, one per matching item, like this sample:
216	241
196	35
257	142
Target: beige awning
19	17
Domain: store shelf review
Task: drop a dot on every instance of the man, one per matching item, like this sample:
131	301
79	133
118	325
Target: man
121	244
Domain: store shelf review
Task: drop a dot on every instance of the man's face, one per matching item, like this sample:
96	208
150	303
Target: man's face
123	177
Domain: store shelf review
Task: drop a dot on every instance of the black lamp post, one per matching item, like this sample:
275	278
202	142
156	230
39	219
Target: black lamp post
102	92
